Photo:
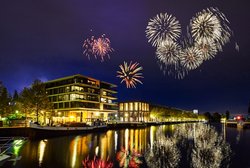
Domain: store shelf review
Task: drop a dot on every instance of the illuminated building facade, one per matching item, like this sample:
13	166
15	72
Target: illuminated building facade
134	111
79	98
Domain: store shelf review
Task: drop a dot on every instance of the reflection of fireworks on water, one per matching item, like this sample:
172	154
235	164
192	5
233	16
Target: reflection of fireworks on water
200	143
97	47
191	58
163	27
102	47
128	158
210	150
96	162
168	52
164	153
130	74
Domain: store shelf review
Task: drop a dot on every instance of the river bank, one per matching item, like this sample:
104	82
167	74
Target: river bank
33	133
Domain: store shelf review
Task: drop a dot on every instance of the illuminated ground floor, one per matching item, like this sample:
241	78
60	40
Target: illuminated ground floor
88	117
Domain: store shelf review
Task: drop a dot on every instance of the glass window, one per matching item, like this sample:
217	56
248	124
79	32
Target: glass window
60	105
66	104
60	98
54	98
131	107
126	106
136	106
72	96
67	89
121	106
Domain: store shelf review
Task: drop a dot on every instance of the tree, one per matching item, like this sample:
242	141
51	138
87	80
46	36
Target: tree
208	116
249	108
216	117
227	114
35	99
4	101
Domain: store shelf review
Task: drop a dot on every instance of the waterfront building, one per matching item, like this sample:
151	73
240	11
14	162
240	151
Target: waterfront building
134	111
80	98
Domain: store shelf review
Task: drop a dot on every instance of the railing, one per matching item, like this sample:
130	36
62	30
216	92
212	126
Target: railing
8	142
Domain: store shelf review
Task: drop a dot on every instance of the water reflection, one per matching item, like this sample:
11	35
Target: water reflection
201	143
41	150
182	145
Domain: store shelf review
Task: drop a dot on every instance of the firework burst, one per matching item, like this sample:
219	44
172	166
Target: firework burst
208	49
191	58
206	26
174	70
163	27
88	46
100	47
130	74
168	52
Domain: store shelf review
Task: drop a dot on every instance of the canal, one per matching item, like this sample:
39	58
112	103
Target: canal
180	145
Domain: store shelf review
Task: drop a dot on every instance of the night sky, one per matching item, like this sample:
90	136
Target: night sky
43	40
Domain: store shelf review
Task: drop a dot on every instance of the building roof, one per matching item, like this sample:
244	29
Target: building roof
78	75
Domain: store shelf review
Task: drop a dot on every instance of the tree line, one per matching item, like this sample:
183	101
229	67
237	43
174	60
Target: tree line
32	102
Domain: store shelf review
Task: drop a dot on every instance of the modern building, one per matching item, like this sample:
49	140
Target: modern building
80	98
134	111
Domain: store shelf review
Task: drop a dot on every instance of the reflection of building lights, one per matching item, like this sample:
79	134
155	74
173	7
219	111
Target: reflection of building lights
96	150
71	117
116	139
41	150
126	139
75	143
152	131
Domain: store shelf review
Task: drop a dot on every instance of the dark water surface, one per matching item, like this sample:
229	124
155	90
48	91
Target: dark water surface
179	145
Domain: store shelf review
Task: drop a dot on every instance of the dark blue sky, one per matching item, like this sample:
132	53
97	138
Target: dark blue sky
43	39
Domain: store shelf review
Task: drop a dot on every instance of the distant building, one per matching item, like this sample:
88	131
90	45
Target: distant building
79	98
134	111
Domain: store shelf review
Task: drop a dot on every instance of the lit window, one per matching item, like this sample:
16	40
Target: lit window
130	106
121	106
126	106
72	96
103	100
136	106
